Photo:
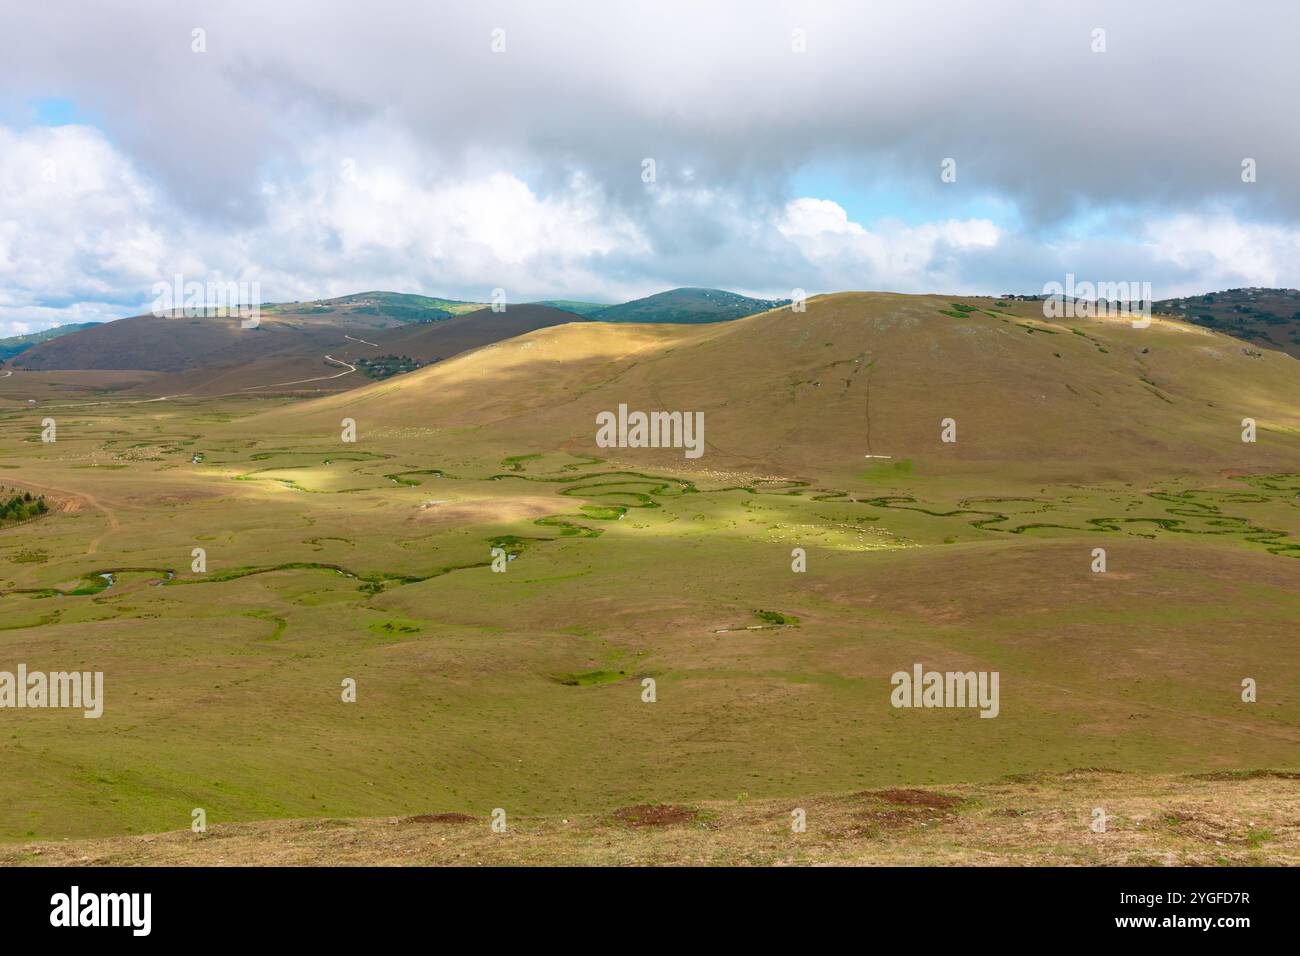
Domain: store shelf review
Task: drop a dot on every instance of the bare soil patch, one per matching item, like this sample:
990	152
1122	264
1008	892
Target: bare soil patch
439	818
663	815
914	798
488	510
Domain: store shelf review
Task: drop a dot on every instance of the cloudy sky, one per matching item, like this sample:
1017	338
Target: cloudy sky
452	148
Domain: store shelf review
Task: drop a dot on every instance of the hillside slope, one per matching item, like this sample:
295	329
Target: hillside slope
585	309
174	343
15	344
432	341
297	347
874	374
688	306
1264	317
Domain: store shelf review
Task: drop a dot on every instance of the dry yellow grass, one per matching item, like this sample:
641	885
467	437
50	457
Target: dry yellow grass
1042	820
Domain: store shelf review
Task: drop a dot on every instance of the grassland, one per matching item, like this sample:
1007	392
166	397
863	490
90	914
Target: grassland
371	560
1034	820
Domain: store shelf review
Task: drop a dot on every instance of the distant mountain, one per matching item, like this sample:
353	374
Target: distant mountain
292	338
173	343
872	374
440	340
17	344
1269	318
296	346
688	307
394	306
575	305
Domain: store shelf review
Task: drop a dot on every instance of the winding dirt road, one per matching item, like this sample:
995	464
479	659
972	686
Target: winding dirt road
304	381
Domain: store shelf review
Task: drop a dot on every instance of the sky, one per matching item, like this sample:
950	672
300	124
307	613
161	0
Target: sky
454	148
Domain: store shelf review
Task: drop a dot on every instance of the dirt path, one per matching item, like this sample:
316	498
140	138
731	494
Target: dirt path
139	401
362	341
73	501
348	370
303	381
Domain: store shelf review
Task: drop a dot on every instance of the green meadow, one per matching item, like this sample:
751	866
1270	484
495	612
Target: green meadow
326	561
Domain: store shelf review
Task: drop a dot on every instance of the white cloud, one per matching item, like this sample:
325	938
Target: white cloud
891	256
78	224
333	223
90	242
1217	252
1009	88
522	170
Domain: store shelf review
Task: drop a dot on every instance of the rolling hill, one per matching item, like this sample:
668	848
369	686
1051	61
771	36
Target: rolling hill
861	374
688	307
1265	317
586	309
384	306
295	335
295	347
310	346
430	342
174	343
17	344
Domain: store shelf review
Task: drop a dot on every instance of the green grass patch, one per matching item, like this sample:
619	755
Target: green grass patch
395	627
890	470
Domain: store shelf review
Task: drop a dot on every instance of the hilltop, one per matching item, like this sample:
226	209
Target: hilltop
689	306
586	309
309	346
294	347
431	342
176	342
875	374
1269	318
385	307
17	344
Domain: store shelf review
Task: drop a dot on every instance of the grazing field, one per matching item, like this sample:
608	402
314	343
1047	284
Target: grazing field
371	560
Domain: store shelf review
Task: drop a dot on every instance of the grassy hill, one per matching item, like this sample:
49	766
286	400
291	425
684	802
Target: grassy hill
862	374
295	347
17	344
371	560
1269	318
585	309
688	306
173	343
386	306
431	342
